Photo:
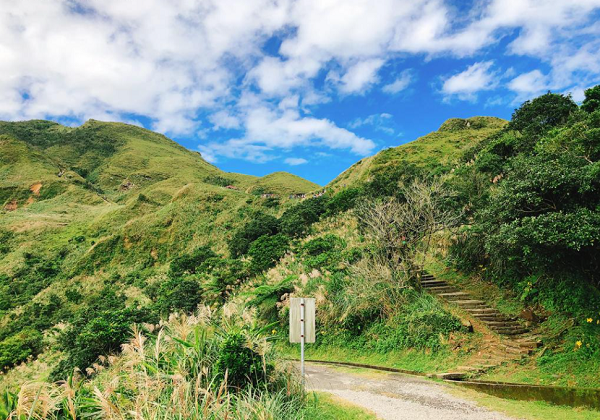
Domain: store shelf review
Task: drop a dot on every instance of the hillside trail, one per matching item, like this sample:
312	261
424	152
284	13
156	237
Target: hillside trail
505	338
392	396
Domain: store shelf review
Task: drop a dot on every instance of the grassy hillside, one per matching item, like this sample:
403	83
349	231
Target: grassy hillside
434	152
105	207
136	228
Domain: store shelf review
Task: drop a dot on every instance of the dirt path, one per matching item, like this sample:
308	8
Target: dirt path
395	396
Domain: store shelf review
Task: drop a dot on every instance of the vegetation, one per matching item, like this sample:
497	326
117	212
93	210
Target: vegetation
92	243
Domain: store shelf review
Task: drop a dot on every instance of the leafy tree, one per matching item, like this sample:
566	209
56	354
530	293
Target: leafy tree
592	99
267	250
296	221
537	116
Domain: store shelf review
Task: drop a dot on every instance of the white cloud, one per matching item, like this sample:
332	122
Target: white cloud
400	84
171	61
295	161
270	128
529	84
360	76
381	122
467	83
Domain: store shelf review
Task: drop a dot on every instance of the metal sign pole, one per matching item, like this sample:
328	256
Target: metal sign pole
302	338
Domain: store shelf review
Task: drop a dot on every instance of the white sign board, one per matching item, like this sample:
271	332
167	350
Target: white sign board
296	320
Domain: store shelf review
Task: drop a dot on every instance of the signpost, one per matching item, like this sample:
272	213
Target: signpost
302	324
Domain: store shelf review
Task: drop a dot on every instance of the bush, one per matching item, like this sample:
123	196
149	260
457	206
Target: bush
178	295
190	264
224	275
296	221
267	250
343	201
324	251
221	181
17	348
242	364
261	224
97	329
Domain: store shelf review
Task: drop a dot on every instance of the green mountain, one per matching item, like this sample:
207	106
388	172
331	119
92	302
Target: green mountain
107	225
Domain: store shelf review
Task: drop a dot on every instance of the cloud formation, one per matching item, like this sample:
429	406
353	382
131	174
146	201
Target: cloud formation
467	83
262	68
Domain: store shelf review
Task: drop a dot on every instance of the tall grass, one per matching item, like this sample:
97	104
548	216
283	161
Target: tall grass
170	371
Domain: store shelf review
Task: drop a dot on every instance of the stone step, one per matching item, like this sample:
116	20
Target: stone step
515	348
442	289
491	318
487	311
470	304
497	322
470	369
509	330
433	283
455	295
448	375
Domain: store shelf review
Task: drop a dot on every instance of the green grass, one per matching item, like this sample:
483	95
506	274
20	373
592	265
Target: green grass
326	406
410	360
526	410
441	147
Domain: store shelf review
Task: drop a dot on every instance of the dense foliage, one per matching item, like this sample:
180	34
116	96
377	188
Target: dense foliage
536	226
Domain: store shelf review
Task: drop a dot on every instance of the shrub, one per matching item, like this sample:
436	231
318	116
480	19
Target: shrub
343	201
324	251
190	264
221	181
178	295
267	250
261	224
296	221
18	347
224	275
242	364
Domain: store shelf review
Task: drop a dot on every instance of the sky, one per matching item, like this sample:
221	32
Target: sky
304	86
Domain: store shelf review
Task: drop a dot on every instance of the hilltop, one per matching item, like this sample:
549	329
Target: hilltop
436	151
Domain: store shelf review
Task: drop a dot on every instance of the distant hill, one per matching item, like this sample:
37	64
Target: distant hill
441	147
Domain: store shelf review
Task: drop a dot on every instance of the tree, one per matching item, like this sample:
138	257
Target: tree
189	264
537	116
401	229
592	99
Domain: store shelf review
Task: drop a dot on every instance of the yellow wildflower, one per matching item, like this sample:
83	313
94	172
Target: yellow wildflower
578	344
589	320
273	332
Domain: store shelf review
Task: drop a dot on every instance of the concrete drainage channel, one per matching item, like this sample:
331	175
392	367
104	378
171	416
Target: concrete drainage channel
573	397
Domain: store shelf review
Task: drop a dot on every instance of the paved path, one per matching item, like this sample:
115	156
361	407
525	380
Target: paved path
395	396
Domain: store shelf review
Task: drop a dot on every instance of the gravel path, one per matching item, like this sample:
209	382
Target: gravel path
395	396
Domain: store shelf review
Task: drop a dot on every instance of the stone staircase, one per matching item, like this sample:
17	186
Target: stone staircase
511	339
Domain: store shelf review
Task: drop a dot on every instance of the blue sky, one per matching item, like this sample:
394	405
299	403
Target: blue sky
305	86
